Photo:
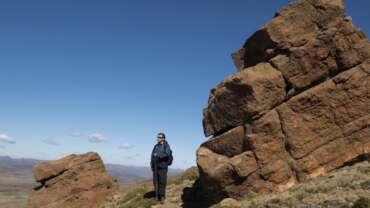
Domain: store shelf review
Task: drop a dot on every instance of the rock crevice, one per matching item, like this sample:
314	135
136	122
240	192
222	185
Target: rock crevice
287	148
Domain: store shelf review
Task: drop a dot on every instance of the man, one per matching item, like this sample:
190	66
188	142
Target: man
160	160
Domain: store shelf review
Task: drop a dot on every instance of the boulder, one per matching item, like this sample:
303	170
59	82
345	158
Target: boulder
298	107
73	181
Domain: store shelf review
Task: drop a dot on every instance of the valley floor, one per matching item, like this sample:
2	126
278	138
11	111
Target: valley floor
14	189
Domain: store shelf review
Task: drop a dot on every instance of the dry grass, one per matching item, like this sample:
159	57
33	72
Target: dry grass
345	188
348	187
140	195
190	174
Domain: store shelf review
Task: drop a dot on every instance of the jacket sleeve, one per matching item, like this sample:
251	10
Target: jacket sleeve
152	159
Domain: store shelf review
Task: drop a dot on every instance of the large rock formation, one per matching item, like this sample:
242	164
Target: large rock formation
298	107
73	181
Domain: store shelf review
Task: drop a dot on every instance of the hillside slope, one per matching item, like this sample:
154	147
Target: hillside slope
348	187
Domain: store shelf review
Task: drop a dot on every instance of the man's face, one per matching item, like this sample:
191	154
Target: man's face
160	138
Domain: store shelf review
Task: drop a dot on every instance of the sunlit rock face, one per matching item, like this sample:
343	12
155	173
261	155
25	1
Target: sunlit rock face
298	107
73	181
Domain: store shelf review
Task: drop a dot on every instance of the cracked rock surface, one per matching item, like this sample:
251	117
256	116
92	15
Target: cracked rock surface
298	107
73	181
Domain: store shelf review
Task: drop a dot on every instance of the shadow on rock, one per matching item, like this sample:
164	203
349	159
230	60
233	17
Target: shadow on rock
194	197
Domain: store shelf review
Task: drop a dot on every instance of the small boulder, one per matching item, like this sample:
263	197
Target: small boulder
74	181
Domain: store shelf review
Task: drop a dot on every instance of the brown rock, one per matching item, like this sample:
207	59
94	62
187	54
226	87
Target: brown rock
298	107
230	143
238	59
307	41
328	125
267	141
338	3
261	167
244	164
73	181
242	96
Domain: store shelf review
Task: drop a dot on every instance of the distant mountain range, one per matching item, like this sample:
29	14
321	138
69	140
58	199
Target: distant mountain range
123	173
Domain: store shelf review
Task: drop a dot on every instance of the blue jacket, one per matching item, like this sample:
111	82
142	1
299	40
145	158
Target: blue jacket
160	156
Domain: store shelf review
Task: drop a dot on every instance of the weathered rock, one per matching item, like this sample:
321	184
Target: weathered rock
307	41
329	125
262	167
241	96
73	181
298	107
231	143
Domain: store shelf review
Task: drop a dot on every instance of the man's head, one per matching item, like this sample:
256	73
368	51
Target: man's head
161	137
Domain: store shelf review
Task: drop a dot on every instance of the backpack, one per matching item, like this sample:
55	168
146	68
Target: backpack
170	157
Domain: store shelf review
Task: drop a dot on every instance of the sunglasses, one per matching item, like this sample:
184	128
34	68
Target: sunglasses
160	137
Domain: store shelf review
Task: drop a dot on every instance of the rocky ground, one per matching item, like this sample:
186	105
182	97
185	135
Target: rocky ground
142	195
344	188
348	187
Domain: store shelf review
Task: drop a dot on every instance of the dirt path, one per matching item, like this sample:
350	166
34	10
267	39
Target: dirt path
174	193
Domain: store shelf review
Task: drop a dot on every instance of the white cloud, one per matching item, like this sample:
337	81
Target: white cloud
51	142
97	138
125	146
76	134
5	138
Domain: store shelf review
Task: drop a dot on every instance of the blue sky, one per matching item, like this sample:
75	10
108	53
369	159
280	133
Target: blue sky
107	76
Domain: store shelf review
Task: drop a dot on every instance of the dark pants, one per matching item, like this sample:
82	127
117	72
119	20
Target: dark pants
159	182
